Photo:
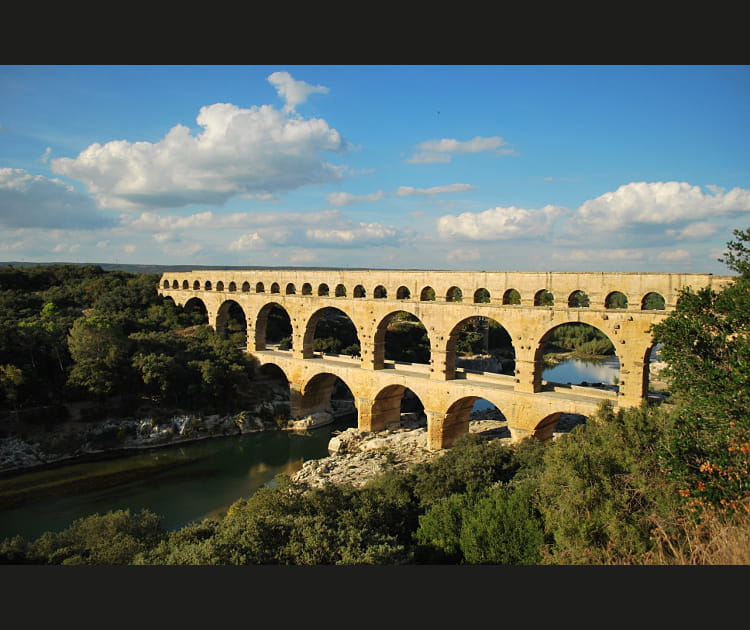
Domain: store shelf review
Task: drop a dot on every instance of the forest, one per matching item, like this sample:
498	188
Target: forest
655	485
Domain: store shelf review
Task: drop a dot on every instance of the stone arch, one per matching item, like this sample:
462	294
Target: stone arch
497	342
233	286
207	285
231	322
388	406
544	297
323	290
275	379
273	325
275	288
175	284
403	293
306	289
340	290
166	284
290	289
454	294
400	337
427	294
332	331
482	296
578	299
359	291
380	292
260	287
246	287
546	426
197	310
511	297
316	393
196	286
219	286
457	419
185	284
616	300
653	301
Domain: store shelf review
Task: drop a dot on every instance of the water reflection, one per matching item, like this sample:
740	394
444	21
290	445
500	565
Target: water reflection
577	371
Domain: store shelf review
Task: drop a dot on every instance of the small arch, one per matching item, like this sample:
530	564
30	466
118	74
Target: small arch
290	289
275	288
359	291
166	284
481	296
340	290
175	284
380	292
323	290
245	287
544	298
185	284
307	289
196	286
578	299
454	294
233	286
616	299
427	295
219	286
653	302
260	287
207	285
403	293
511	297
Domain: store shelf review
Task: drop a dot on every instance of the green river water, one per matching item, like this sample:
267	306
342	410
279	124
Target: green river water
182	484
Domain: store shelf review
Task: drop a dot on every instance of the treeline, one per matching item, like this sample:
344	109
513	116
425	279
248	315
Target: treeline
76	332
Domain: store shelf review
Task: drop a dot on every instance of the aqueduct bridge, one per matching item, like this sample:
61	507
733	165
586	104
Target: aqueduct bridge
527	304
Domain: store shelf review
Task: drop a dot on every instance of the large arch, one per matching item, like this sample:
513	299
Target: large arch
389	404
458	417
231	323
482	336
332	331
197	310
271	377
401	336
273	325
316	394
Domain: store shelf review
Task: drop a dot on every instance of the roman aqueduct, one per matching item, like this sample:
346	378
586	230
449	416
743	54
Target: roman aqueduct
528	305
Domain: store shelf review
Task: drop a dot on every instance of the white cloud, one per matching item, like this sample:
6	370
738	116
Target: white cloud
292	91
463	255
659	203
498	223
239	152
35	201
361	234
694	231
346	199
247	241
442	150
408	191
676	255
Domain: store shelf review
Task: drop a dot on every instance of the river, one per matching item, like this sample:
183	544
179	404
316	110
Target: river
182	484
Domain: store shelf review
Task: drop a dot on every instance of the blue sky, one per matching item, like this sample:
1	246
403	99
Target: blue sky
547	168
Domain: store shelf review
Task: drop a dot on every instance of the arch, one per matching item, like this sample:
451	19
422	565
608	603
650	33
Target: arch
511	297
545	428
166	284
275	288
481	296
459	416
427	294
359	291
260	287
544	297
207	285
616	300
318	394
290	289
380	292
231	323
578	299
330	330
307	289
323	290
274	378
233	286
185	284
175	284
482	336
246	287
403	293
653	301
219	286
454	294
390	403
401	337
273	326
340	290
197	311
196	286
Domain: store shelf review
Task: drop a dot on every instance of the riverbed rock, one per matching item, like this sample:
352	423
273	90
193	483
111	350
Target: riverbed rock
313	421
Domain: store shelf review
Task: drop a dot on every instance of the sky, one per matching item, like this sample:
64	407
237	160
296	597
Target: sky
488	167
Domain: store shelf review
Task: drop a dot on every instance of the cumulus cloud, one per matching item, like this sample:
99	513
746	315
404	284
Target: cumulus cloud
361	234
659	203
292	91
346	199
498	223
247	241
239	152
442	150
694	231
35	201
409	191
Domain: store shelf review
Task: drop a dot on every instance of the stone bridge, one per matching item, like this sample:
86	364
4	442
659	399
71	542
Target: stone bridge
528	305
